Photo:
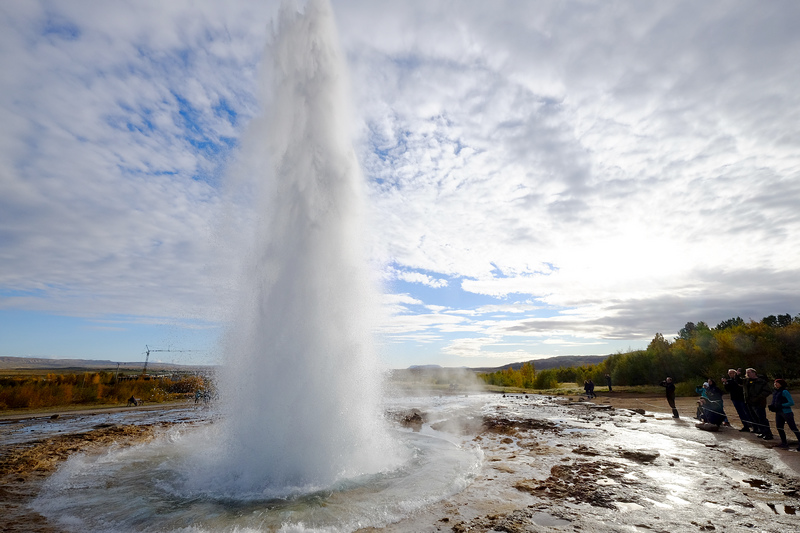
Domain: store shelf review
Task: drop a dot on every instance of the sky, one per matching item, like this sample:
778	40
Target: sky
543	178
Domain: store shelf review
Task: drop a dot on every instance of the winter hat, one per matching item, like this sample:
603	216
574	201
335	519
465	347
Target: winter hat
705	385
781	382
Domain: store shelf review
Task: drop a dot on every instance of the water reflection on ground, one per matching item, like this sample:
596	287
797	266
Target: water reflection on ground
480	463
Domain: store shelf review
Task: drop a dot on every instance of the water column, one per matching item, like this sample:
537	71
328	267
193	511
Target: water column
300	387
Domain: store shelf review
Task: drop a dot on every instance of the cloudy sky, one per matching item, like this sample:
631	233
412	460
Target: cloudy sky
544	178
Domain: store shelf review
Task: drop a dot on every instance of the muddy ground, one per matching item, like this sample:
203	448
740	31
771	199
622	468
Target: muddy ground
550	464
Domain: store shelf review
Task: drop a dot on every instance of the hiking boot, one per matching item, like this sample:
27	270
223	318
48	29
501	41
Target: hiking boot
783	445
745	430
767	437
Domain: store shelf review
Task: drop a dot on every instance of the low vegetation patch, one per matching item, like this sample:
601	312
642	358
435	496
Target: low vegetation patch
58	390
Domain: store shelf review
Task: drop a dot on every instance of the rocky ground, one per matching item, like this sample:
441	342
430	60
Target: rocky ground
550	464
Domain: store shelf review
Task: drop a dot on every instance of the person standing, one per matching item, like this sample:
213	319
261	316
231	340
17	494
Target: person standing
670	389
608	382
756	392
591	389
733	386
781	405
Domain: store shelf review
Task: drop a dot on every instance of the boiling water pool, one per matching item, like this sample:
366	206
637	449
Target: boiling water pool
153	487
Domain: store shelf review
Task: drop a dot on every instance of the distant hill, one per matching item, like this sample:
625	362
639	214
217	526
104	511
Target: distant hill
551	362
42	363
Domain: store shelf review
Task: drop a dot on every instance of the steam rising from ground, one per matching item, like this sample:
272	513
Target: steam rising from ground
300	387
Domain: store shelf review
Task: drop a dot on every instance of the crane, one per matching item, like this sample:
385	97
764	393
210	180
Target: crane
147	358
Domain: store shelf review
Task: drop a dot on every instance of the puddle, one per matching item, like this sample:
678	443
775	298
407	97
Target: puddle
627	507
548	520
675	499
660	505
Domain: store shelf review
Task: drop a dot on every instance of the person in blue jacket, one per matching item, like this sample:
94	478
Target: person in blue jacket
711	411
781	405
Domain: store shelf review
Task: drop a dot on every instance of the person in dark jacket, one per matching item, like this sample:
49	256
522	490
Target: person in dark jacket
756	392
733	386
781	405
670	389
591	389
714	409
608	382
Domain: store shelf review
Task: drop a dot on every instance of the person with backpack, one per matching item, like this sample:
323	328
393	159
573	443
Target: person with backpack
781	405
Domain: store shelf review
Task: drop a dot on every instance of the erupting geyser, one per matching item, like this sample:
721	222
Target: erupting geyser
300	388
300	443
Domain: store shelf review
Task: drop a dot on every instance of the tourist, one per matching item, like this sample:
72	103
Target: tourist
710	404
715	394
733	386
586	388
756	392
781	405
670	389
591	389
608	382
701	411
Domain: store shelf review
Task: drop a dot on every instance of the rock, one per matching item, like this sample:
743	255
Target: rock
639	457
707	427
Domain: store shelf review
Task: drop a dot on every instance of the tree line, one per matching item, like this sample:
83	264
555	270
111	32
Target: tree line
771	346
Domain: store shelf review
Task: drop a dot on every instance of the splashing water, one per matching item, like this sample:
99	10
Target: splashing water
301	383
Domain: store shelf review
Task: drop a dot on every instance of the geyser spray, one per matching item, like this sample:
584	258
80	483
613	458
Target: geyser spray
300	386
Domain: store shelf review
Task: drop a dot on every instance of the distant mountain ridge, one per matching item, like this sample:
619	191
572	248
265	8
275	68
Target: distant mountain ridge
550	362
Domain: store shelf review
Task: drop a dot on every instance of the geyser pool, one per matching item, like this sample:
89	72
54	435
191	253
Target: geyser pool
147	487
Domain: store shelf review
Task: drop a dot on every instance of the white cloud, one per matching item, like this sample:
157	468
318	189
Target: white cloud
417	277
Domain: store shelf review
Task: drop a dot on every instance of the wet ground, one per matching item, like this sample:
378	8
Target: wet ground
550	464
